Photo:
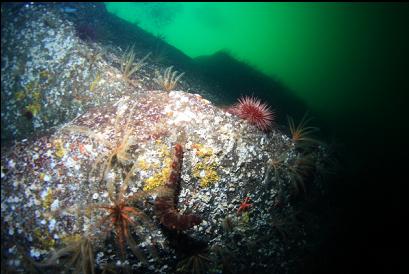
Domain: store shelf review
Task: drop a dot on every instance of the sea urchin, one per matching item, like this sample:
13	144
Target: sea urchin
254	111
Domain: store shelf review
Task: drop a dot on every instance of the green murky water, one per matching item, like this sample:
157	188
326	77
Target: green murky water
324	51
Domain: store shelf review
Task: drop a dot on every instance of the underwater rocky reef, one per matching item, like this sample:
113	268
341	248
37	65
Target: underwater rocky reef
113	161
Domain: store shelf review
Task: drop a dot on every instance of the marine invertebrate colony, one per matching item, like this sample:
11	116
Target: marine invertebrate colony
169	79
128	65
121	217
196	263
165	203
254	111
244	205
301	132
78	254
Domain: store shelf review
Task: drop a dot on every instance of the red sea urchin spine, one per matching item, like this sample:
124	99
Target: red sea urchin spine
165	204
255	112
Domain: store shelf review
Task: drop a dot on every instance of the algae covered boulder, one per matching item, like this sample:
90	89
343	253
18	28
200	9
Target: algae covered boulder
117	160
103	172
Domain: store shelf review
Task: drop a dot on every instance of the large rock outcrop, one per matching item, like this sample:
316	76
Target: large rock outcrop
88	181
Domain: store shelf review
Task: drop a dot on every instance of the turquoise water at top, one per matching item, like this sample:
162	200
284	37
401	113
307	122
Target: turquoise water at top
334	56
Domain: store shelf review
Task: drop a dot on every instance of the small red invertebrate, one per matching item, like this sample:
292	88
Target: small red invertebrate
82	149
244	205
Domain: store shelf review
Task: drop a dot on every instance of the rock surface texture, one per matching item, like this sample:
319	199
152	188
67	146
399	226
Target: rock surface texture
132	178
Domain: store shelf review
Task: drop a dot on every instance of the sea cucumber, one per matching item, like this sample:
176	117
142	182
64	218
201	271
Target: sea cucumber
166	202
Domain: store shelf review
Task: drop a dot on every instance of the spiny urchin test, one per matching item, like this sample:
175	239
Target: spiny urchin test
254	111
